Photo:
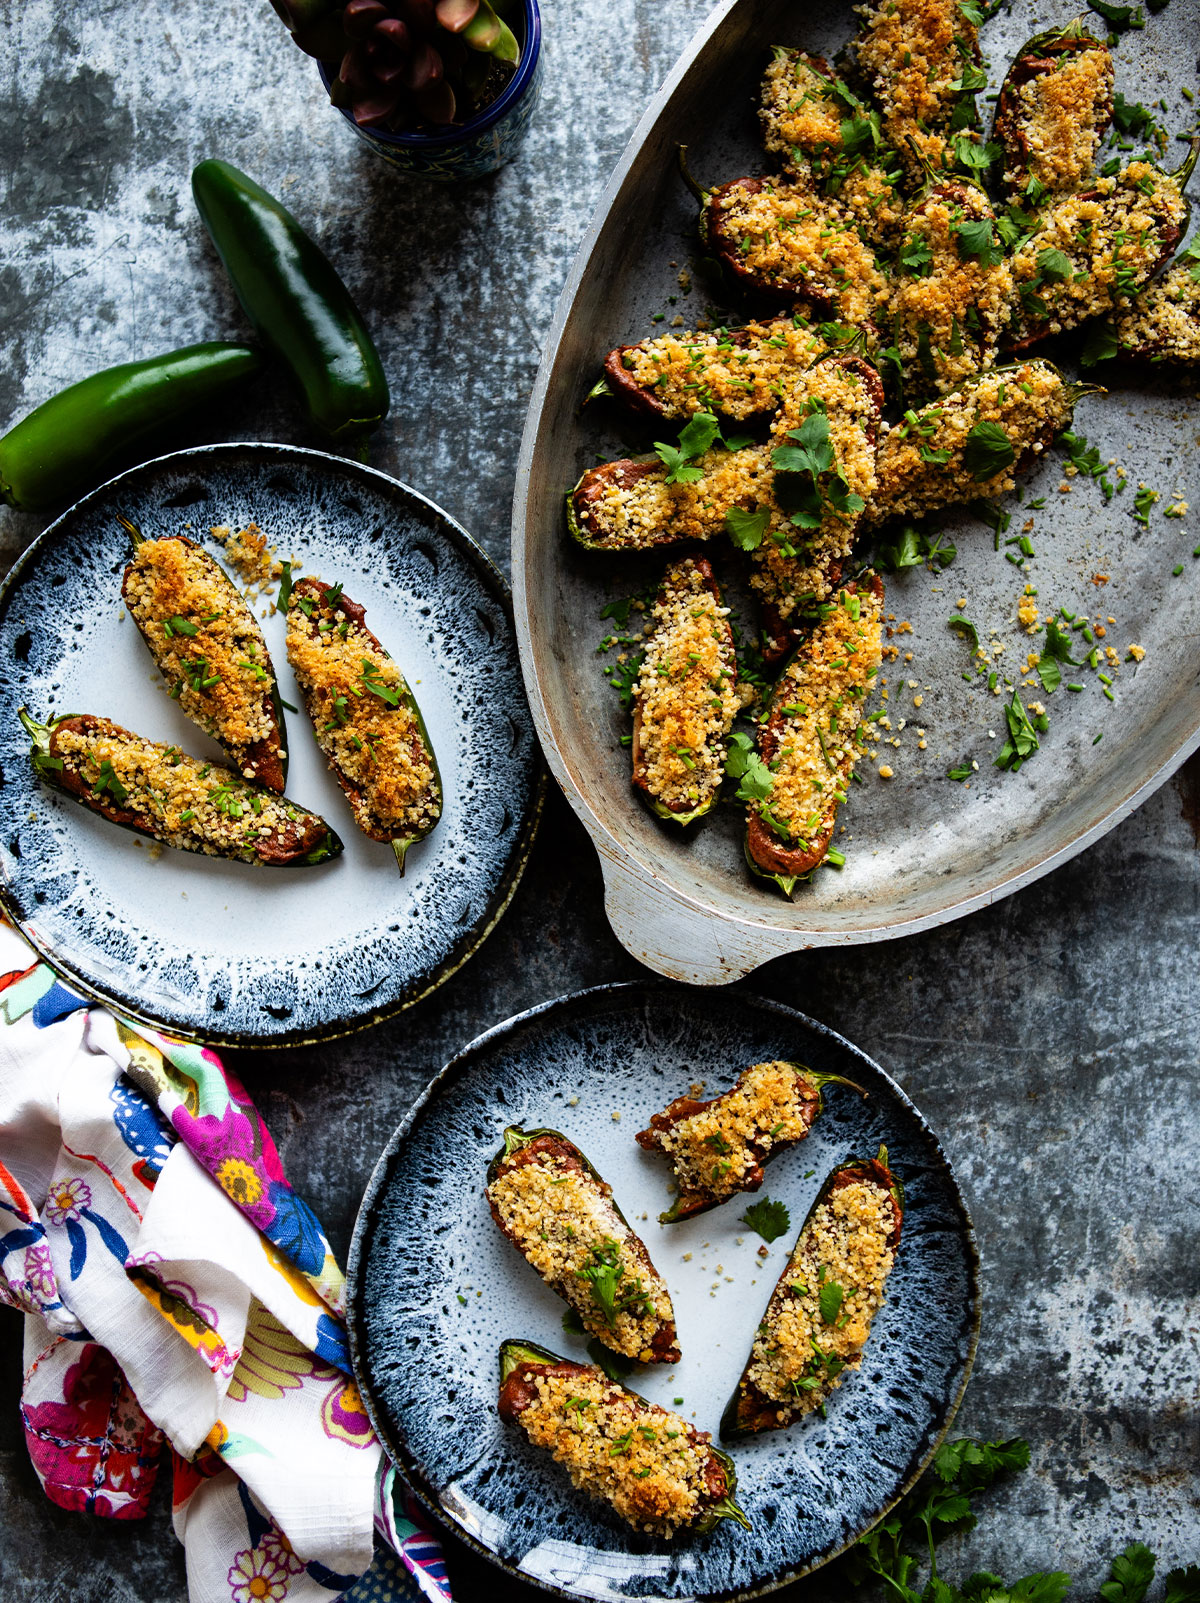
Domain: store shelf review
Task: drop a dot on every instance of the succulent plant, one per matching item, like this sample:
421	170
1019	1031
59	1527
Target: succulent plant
404	63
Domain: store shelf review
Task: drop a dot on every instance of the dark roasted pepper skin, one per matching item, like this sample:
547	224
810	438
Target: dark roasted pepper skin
519	1359
84	434
747	1411
310	841
298	305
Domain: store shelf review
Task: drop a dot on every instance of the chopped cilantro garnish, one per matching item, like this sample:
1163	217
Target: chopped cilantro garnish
767	1219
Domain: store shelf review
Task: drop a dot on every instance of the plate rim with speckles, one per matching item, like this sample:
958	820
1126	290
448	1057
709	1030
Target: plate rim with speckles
267	457
474	1057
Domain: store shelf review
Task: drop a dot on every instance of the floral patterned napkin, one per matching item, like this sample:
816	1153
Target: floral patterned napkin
180	1299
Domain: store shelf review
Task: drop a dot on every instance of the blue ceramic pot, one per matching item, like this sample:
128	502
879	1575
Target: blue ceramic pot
480	146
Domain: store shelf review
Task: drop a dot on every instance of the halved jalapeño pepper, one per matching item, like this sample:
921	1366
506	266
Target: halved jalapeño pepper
807	746
1163	324
972	443
632	506
953	294
364	716
920	59
823	134
560	1216
736	373
829	420
1054	106
819	1317
799	247
1096	249
686	696
650	1466
160	791
718	1148
210	651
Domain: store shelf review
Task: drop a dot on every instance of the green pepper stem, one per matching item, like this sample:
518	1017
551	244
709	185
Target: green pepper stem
697	189
727	1509
38	733
1188	165
400	847
136	537
598	391
839	1079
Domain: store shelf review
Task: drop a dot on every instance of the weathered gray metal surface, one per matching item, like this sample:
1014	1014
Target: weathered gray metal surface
1050	1040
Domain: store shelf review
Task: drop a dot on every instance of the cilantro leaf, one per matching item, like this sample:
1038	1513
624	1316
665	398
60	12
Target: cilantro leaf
916	256
1192	254
1022	739
618	611
1131	118
695	438
1119	18
1183	1585
746	529
979	157
285	589
977	240
906	553
812	452
572	1324
964	627
1131	1574
988	451
768	1219
961	772
615	1365
829	1300
1054	267
1058	645
698	433
1100	345
745	765
1049	673
1042	1587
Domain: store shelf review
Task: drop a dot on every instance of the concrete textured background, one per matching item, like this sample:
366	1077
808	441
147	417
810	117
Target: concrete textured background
1050	1039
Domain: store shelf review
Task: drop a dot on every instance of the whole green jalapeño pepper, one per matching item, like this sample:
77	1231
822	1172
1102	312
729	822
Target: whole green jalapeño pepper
297	303
84	434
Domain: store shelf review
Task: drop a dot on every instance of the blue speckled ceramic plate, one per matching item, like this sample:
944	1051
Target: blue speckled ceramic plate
228	952
435	1288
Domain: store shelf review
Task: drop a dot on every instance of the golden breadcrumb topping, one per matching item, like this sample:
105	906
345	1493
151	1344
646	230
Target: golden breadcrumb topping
1059	114
799	1356
871	201
821	695
198	807
791	566
687	694
206	642
1030	402
1111	237
248	553
566	1226
712	1151
637	1457
913	53
1165	319
950	315
798	110
738	374
632	516
360	708
786	235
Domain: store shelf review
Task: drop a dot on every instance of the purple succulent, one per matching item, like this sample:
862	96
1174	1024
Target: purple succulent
403	63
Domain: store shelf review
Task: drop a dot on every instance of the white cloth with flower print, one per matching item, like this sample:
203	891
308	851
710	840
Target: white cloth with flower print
117	1244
